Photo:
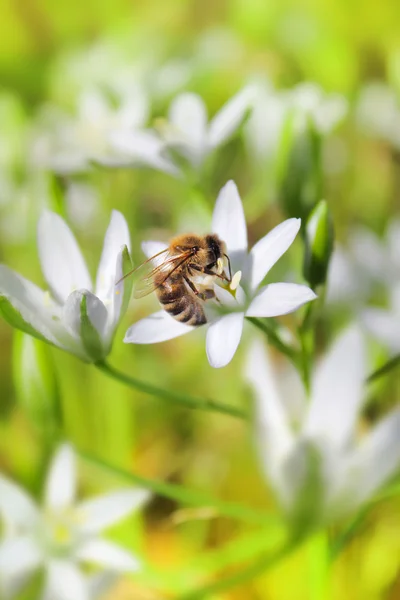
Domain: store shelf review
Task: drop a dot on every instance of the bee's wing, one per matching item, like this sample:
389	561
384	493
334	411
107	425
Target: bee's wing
147	271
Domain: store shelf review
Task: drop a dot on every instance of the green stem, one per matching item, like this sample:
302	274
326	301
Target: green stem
274	339
259	567
175	397
184	495
347	535
386	368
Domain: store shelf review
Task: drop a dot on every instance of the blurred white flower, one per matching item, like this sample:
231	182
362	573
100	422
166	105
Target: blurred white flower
188	131
378	112
319	468
114	63
69	144
384	324
227	318
307	101
62	534
22	206
71	316
365	262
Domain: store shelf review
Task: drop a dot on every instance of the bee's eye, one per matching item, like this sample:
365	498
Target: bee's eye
195	249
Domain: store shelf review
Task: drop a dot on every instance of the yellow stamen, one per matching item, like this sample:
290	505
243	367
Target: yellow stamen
236	280
62	535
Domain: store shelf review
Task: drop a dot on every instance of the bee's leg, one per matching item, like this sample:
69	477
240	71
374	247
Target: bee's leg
192	286
207	294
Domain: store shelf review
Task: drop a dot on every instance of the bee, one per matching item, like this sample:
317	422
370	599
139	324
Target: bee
183	275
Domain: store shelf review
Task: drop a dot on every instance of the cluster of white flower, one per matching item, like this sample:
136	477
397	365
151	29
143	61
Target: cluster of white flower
111	128
314	460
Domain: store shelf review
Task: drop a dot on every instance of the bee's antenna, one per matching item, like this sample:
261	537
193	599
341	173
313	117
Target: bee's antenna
229	265
125	276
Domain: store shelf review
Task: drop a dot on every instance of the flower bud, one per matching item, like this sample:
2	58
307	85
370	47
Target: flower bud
299	166
36	385
319	244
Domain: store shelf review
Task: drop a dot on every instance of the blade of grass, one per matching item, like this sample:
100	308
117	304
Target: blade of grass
184	495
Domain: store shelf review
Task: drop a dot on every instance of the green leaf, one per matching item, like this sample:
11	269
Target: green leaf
89	334
36	386
318	244
127	266
300	168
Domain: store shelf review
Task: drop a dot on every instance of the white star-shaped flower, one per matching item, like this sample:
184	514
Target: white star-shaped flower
249	300
305	102
71	316
317	466
62	533
188	131
71	143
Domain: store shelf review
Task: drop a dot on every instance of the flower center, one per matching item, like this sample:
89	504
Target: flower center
59	533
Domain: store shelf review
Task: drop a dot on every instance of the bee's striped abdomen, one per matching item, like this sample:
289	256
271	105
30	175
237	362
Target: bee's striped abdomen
177	301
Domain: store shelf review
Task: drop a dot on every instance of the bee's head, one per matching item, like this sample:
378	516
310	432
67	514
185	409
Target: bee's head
216	247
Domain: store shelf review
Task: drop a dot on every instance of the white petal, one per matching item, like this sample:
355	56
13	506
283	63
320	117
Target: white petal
378	457
35	306
228	119
108	555
142	148
279	299
16	507
93	107
100	583
369	253
188	116
223	337
61	479
117	236
384	326
19	556
158	327
270	248
65	582
62	262
393	242
98	514
230	224
337	391
273	435
96	311
151	248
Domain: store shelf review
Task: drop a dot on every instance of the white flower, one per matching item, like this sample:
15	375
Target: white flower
318	467
308	100
369	262
224	332
69	144
188	131
364	262
304	102
71	316
62	533
384	324
378	112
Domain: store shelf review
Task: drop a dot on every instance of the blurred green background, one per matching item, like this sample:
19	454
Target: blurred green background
49	51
